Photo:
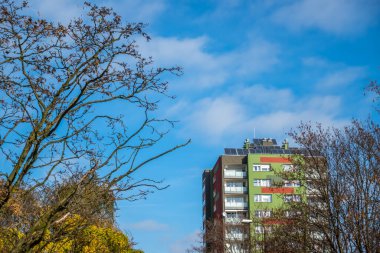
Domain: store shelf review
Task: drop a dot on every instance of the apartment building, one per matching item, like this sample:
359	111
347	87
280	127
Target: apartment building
244	185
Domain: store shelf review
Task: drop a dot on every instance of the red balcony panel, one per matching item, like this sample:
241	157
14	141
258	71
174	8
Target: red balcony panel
266	159
282	190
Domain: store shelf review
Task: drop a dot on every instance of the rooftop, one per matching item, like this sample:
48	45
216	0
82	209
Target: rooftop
262	146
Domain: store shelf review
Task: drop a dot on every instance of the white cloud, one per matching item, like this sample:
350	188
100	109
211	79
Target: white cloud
203	69
341	78
333	16
270	111
259	57
278	123
269	97
149	225
216	117
57	10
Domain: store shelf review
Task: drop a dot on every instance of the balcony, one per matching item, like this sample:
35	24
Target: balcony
235	189
235	220
235	236
235	174
236	205
235	217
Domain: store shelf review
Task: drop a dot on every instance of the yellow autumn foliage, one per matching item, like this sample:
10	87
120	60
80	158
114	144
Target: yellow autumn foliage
91	239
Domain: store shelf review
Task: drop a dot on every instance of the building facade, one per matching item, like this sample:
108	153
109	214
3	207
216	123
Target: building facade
245	185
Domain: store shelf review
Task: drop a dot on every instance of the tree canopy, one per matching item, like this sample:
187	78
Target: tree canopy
63	151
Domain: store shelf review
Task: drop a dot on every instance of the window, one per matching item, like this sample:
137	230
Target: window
287	167
234	199
237	247
234	184
263	213
259	230
292	183
238	187
231	215
235	217
235	171
262	182
234	233
262	198
239	215
292	198
261	167
292	213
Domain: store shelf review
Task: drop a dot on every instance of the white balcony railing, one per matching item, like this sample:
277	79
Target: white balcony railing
234	220
236	205
235	236
235	189
235	174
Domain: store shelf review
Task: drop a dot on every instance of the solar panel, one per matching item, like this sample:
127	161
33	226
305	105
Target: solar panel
266	150
230	151
257	141
258	149
278	151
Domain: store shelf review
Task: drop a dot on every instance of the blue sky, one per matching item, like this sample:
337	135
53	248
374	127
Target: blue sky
249	66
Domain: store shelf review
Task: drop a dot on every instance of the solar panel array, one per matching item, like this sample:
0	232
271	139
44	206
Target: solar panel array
261	150
268	146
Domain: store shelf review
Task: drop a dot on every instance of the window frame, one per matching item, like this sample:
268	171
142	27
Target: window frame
290	167
261	167
292	183
292	198
259	182
258	198
263	213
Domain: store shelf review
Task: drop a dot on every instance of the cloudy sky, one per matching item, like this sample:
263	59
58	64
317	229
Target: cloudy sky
249	67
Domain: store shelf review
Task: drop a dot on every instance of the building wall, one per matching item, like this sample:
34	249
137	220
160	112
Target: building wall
276	190
207	195
218	189
219	180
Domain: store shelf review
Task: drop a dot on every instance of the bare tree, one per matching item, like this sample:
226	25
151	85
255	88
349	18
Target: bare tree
339	208
341	173
374	89
58	84
217	236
